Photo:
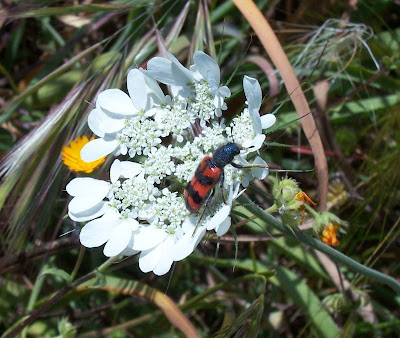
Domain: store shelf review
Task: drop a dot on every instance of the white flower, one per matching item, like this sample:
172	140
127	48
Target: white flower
174	120
88	195
159	164
168	137
200	83
111	229
257	172
117	118
88	204
246	129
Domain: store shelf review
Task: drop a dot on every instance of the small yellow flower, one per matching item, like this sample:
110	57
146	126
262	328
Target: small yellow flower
329	235
71	156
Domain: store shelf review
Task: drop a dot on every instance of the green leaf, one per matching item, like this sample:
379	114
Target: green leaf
57	272
306	300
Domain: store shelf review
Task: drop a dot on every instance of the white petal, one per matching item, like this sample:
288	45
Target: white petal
208	68
137	89
253	93
178	68
268	120
260	173
247	143
148	237
149	259
225	91
83	203
87	185
169	72
153	89
97	148
255	116
129	252
102	122
235	193
97	232
119	239
96	211
257	142
219	217
165	262
134	224
187	243
189	224
116	101
130	169
94	121
115	171
224	227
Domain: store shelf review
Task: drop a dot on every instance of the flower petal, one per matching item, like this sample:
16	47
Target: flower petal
148	237
119	239
187	243
96	211
260	173
257	142
219	217
224	227
98	231
165	262
253	93
153	88
208	68
169	71
149	259
268	120
87	185
95	122
115	171
137	89
97	148
130	169
225	91
116	101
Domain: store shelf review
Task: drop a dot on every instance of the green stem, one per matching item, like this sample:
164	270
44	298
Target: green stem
77	264
33	297
107	263
272	208
318	245
311	210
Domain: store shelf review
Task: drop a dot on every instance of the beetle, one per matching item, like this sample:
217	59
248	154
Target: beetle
209	172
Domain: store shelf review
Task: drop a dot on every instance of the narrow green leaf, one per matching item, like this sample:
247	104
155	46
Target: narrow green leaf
305	299
55	271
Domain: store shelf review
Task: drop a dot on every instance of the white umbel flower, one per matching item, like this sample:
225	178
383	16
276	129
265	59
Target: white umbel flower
165	138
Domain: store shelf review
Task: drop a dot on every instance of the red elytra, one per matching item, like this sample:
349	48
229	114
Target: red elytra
206	177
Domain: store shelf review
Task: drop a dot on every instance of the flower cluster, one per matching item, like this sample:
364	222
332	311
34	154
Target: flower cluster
162	139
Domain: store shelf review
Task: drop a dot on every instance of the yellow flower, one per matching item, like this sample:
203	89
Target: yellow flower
71	156
329	235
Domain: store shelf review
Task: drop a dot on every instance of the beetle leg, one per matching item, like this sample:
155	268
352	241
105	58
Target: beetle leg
239	166
221	185
209	199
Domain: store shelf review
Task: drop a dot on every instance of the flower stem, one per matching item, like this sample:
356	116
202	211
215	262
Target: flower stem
77	264
318	245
